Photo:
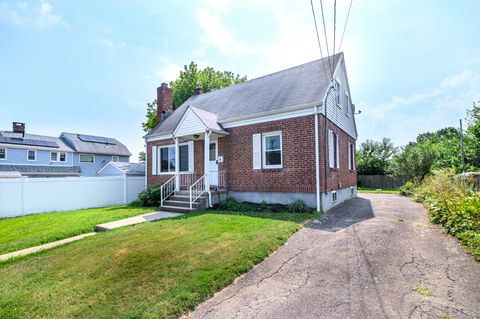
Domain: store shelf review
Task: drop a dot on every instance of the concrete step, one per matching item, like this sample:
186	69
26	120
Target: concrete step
185	198
176	209
181	203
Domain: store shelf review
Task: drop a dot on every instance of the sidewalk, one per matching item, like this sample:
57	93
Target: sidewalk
99	228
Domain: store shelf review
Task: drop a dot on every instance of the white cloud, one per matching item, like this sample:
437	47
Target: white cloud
403	118
41	16
169	72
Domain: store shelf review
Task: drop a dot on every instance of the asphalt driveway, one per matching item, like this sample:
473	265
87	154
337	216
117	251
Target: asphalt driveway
376	256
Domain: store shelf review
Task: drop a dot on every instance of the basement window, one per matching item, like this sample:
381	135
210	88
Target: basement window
334	196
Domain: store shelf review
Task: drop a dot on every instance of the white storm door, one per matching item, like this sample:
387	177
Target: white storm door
213	164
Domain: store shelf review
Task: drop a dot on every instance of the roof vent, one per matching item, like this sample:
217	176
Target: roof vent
18	127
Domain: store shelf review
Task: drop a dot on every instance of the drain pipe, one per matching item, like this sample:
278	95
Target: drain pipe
317	161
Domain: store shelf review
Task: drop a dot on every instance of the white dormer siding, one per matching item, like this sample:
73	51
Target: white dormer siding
341	115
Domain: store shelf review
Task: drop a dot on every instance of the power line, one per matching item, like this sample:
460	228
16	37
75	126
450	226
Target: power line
326	38
334	24
318	38
345	26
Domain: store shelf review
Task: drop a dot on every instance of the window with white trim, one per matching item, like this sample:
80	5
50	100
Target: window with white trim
114	158
338	90
31	155
3	153
351	156
347	104
58	156
168	158
334	196
87	158
333	150
272	150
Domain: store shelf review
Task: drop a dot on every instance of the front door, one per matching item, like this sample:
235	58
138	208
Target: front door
213	170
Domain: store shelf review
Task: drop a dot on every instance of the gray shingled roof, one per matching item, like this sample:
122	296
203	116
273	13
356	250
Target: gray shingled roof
130	168
61	144
41	170
96	148
300	85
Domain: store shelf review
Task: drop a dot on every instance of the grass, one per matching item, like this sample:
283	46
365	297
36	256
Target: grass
378	191
26	231
152	270
424	291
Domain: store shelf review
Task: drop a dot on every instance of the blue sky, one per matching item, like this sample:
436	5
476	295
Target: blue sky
91	66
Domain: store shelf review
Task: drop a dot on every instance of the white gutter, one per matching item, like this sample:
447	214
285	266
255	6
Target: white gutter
317	161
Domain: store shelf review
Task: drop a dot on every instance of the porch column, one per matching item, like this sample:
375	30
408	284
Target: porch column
206	161
177	165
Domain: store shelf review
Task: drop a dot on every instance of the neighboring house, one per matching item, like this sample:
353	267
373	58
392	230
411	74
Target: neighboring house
262	140
48	156
94	152
122	169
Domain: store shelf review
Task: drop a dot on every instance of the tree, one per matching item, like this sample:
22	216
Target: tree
373	158
472	137
141	156
184	87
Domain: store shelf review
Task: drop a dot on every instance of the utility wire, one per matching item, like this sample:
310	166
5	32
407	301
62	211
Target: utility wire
318	39
345	26
334	25
326	38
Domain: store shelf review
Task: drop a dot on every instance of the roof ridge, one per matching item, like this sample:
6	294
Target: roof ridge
266	75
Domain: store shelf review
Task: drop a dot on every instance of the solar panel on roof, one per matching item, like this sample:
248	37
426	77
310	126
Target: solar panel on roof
27	141
96	139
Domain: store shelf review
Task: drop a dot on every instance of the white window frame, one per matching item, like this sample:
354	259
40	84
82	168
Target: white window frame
57	157
334	196
347	104
264	150
333	150
338	99
35	155
4	152
191	162
115	158
80	158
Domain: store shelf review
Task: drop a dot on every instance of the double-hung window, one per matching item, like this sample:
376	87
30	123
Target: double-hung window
58	156
338	90
87	158
3	153
31	155
272	150
333	150
168	159
114	158
351	156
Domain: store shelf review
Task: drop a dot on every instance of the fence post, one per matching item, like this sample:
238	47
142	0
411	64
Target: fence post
125	190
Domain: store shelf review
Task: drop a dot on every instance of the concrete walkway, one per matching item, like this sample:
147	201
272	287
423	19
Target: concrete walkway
376	256
135	220
35	249
99	228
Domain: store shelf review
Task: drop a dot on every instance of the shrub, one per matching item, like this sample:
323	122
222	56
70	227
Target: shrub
230	203
298	207
135	203
451	201
150	196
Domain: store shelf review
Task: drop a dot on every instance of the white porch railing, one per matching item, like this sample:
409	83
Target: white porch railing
186	180
197	189
167	189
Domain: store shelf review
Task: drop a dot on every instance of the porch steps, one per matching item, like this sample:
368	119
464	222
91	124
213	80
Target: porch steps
180	202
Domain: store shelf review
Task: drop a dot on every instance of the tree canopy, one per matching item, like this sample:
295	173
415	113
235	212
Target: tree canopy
373	157
184	87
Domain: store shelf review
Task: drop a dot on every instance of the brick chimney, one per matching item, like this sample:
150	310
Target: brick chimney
164	102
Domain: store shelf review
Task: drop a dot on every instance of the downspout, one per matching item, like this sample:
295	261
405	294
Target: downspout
317	161
326	138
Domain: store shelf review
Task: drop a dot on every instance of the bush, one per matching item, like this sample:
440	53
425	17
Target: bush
451	201
230	203
298	207
135	203
150	196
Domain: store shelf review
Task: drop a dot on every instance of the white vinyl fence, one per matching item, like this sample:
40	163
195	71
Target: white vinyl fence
22	196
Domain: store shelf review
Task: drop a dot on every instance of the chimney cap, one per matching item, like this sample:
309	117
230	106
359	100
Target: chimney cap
198	89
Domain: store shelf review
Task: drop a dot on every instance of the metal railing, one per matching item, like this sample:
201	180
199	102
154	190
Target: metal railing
197	189
167	189
186	180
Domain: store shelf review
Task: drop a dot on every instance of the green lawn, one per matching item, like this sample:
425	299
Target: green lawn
26	231
152	270
382	191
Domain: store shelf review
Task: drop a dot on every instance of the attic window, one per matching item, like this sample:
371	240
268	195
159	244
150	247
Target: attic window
337	94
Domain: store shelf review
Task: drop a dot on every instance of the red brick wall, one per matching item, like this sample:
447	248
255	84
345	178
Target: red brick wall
298	158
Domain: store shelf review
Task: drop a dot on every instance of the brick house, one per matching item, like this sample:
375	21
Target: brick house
264	139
